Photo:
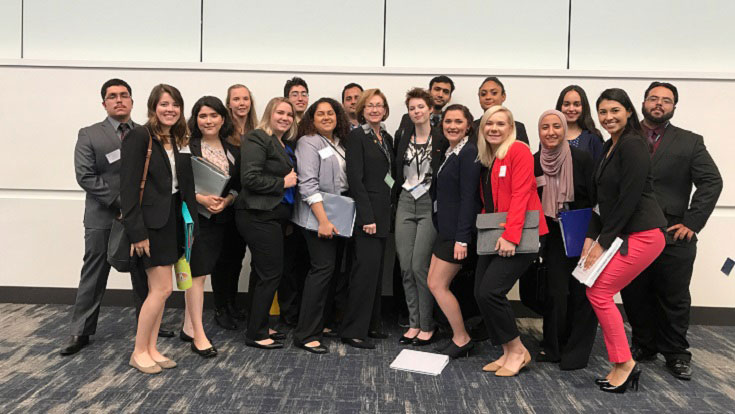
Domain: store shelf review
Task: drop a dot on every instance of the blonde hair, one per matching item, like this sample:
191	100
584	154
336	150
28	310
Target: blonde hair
484	151
366	95
250	121
265	121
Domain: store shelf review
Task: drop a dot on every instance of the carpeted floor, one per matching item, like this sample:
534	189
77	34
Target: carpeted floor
34	378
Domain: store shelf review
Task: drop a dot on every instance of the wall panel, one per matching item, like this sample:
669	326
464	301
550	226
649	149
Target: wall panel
10	29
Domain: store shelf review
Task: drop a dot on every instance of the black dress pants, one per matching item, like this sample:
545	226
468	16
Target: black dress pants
336	304
363	302
570	323
263	232
226	274
93	282
497	277
658	302
295	267
323	256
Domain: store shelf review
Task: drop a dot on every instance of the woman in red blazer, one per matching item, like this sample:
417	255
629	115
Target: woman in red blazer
507	184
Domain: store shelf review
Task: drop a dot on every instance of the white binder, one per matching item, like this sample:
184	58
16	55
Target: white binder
589	276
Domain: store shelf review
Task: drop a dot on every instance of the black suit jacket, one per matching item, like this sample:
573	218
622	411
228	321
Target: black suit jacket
456	190
681	160
623	188
263	165
582	170
439	145
367	166
233	159
154	211
521	134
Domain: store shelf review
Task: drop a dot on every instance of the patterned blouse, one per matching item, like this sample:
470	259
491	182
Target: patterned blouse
216	156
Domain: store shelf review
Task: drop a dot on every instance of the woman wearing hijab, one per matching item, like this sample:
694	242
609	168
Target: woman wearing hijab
564	178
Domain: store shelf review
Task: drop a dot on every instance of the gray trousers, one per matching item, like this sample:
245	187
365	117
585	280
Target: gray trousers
93	282
415	236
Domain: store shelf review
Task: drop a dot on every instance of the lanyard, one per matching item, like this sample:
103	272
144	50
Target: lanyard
419	156
333	147
383	149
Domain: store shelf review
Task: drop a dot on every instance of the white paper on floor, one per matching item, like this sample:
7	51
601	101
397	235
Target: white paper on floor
420	362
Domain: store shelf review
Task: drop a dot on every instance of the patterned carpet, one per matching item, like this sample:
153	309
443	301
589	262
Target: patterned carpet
34	378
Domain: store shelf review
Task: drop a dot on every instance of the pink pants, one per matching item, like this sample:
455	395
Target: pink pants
643	248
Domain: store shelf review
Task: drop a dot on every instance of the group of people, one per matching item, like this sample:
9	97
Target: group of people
425	185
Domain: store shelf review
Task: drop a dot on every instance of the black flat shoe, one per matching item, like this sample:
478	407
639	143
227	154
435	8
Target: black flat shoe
277	336
680	369
224	320
358	343
455	351
423	342
632	382
274	345
165	333
377	335
184	337
330	334
319	349
204	353
235	312
75	345
404	340
479	333
544	357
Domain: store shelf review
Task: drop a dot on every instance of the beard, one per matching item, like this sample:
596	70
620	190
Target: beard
648	116
438	108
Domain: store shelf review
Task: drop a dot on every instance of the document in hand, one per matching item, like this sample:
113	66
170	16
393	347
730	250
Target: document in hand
574	225
340	211
420	362
188	231
589	276
208	180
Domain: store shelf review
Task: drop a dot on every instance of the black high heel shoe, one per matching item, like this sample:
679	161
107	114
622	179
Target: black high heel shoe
404	340
632	381
455	351
602	381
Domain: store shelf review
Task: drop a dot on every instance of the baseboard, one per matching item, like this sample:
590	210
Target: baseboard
700	315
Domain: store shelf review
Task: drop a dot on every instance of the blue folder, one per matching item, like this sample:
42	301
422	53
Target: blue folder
188	230
574	225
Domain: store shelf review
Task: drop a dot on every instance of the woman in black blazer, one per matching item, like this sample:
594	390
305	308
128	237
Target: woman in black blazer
456	203
564	179
369	161
210	125
155	225
627	209
263	209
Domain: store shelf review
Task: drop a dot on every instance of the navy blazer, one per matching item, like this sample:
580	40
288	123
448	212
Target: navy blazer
592	143
367	166
155	209
456	194
624	192
233	159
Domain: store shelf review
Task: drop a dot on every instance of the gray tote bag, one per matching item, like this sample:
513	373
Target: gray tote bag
491	226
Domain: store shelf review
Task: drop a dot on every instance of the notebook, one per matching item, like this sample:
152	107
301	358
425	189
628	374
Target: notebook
420	362
574	224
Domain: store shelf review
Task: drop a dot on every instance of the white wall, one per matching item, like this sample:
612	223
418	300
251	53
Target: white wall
50	85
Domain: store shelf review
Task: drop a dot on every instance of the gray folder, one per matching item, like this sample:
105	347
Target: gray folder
340	211
208	180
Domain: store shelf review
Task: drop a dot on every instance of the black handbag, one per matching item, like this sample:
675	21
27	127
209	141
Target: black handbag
118	246
532	286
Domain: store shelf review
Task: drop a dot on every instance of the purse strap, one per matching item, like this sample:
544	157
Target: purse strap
145	168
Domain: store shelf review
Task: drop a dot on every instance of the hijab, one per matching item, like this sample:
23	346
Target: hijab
556	164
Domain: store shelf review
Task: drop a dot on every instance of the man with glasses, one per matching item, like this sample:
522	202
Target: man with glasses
297	92
658	301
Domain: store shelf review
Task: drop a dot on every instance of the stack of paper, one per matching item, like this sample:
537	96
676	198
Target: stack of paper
420	362
589	276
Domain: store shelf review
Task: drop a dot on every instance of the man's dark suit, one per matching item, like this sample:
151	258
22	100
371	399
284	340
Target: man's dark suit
97	167
657	302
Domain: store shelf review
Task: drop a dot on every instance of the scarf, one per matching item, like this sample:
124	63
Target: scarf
556	164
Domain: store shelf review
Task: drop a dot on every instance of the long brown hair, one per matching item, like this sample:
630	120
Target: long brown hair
179	131
251	122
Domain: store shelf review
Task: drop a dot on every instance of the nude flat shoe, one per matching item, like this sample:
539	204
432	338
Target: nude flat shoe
153	369
505	372
166	363
492	367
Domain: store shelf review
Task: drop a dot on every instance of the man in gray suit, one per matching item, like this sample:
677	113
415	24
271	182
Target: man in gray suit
97	167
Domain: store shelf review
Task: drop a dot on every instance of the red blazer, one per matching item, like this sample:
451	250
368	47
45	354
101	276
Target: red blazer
515	192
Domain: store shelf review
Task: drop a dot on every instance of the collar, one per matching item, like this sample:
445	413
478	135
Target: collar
116	124
458	147
369	130
658	131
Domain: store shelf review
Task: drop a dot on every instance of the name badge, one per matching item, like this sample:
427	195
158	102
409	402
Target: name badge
113	156
185	150
596	209
389	180
435	209
326	152
418	191
230	157
502	171
540	181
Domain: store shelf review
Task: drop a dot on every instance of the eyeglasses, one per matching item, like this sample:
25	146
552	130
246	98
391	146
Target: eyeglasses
655	99
374	106
297	94
113	96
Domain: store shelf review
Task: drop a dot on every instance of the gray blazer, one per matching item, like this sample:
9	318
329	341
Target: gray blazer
99	178
315	174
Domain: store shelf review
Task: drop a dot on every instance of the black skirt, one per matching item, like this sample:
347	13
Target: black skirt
207	246
167	243
444	249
